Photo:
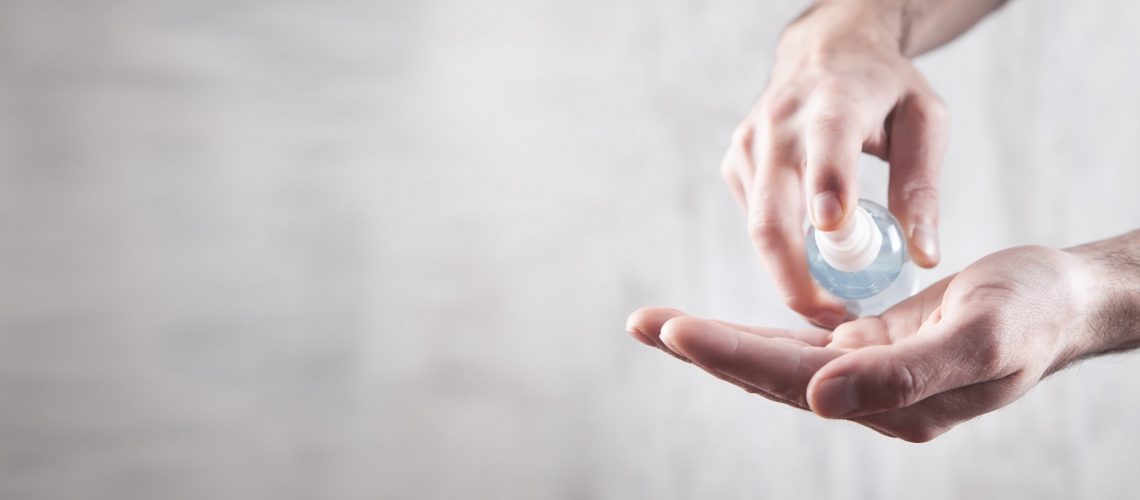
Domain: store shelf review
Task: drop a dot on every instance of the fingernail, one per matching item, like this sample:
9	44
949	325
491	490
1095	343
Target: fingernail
925	237
836	397
666	337
825	209
828	320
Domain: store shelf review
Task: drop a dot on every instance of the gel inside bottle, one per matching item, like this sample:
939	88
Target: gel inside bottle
865	262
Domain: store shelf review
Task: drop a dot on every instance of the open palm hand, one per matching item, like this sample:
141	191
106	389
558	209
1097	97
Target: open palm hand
965	346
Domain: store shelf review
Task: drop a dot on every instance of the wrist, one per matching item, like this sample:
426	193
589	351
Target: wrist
1106	284
834	27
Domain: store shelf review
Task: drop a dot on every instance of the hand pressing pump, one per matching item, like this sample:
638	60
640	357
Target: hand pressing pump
864	262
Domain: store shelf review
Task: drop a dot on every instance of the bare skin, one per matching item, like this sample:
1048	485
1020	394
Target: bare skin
843	85
965	346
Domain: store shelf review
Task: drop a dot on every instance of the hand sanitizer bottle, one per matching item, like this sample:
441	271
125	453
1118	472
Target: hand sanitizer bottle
865	262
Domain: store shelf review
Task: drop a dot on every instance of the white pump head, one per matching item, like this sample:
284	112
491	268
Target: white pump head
852	247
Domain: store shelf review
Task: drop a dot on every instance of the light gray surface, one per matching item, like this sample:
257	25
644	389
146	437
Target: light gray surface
347	249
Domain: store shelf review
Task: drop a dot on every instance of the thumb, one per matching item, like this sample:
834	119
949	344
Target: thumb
881	378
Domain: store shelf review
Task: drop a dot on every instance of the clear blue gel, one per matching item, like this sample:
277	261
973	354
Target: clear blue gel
887	280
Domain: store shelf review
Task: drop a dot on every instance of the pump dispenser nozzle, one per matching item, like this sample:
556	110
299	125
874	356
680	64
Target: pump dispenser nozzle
854	245
864	262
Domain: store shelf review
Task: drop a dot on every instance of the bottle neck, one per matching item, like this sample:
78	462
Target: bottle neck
852	247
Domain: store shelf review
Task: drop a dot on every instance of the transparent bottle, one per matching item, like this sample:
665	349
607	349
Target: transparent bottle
865	262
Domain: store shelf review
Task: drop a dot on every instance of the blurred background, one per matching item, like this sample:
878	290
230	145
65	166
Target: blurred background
342	249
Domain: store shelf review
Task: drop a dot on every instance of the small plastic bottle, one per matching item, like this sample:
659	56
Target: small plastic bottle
865	262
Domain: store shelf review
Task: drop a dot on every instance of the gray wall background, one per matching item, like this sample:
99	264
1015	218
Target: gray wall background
347	249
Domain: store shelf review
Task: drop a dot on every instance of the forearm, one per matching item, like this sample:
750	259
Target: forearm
1110	282
913	27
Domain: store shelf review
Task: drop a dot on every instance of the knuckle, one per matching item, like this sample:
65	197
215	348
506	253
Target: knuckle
990	357
777	152
903	385
988	350
830	121
918	192
776	111
829	174
766	229
932	109
742	135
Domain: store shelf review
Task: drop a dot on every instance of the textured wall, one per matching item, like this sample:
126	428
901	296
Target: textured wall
349	249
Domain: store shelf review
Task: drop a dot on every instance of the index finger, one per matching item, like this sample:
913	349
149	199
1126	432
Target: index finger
769	364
